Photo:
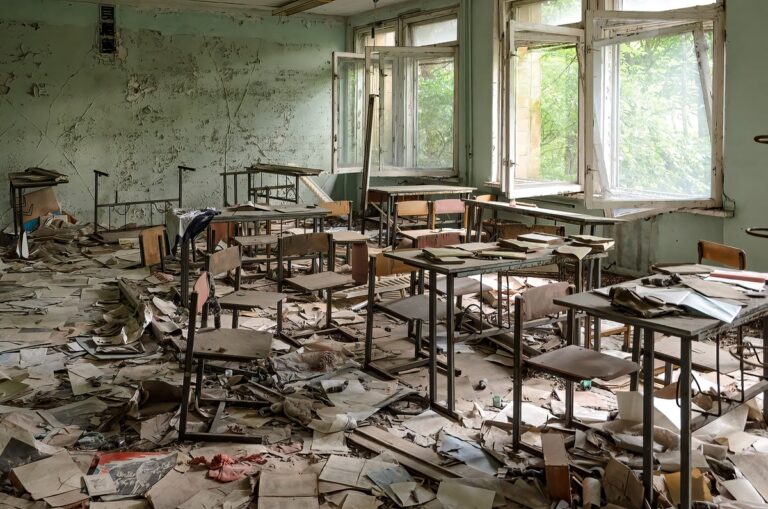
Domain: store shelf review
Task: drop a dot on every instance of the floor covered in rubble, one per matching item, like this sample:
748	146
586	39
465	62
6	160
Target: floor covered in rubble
92	366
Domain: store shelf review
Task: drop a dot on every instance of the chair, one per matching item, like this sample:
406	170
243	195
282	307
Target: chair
448	207
720	253
343	209
227	261
313	246
154	246
415	214
534	308
413	309
228	345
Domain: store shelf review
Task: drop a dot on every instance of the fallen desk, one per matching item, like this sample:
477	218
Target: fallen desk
251	216
470	267
31	178
388	194
287	191
584	221
688	329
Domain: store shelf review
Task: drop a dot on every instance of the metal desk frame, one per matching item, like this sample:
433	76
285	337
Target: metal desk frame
153	204
317	215
388	195
688	329
471	267
289	189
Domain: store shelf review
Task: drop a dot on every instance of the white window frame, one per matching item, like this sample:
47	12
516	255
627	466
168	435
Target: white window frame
406	127
673	22
592	174
544	33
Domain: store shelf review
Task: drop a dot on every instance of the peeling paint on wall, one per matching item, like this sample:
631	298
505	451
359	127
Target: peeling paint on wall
211	91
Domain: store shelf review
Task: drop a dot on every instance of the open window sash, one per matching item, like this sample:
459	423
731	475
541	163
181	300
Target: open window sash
348	112
398	144
606	187
531	37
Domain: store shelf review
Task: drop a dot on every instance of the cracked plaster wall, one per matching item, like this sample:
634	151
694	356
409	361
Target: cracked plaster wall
207	90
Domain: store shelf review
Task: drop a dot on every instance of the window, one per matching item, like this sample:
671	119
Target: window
626	106
543	142
657	102
415	117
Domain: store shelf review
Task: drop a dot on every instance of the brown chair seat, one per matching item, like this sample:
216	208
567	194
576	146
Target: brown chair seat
245	300
348	236
320	281
576	363
415	307
232	344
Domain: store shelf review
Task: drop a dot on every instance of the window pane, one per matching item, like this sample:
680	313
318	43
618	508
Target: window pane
434	119
380	37
546	115
438	32
661	5
351	131
550	12
662	144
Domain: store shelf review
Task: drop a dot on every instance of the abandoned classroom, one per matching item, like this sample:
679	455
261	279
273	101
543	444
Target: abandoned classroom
361	254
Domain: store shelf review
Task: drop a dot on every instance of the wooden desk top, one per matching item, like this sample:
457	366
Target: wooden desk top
419	189
684	326
277	213
276	169
473	266
555	215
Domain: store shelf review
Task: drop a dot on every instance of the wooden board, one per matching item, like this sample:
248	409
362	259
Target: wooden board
152	245
558	474
232	344
305	244
256	240
320	281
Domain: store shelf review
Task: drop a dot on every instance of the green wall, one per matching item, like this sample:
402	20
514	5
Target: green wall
209	90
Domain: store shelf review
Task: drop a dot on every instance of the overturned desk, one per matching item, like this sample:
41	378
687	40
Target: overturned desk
470	267
285	187
31	178
583	221
316	214
386	195
688	329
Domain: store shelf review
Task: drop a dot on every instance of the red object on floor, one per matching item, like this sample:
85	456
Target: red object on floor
224	468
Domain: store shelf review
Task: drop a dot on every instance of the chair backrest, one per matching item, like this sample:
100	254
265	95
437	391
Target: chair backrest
381	265
438	239
448	206
201	289
225	260
720	253
536	303
337	208
153	245
304	244
486	197
412	208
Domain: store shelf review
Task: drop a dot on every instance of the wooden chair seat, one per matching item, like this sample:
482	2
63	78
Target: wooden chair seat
345	236
245	300
576	363
320	281
415	307
232	344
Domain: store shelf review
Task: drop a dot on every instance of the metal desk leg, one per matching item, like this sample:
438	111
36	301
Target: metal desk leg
634	377
184	273
765	370
572	339
449	326
432	338
685	421
390	229
648	414
596	283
